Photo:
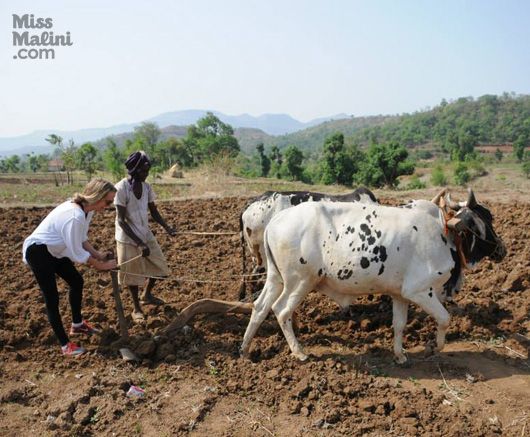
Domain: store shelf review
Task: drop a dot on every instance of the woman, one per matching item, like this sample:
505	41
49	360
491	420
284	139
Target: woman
58	242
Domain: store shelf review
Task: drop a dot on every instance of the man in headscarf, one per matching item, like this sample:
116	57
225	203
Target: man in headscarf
134	198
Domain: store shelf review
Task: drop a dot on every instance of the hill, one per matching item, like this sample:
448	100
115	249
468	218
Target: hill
488	119
312	138
271	124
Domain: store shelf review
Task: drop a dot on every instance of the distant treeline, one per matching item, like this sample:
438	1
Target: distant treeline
489	119
374	154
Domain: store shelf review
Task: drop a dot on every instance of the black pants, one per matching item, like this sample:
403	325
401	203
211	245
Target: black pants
45	267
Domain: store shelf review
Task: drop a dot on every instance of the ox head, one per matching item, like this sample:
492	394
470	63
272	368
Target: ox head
474	224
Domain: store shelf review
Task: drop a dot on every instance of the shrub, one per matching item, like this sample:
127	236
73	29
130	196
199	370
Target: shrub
415	183
438	177
461	174
476	168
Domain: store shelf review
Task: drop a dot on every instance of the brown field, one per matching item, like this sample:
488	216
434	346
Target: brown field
196	384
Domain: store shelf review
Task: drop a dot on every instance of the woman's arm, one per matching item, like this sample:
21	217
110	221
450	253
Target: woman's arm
93	252
102	265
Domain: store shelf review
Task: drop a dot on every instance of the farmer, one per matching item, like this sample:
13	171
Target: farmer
139	254
58	242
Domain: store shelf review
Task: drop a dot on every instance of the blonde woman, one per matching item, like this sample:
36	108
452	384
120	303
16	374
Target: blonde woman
61	240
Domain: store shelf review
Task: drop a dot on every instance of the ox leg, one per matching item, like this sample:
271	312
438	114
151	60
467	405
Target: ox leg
284	308
433	307
399	321
262	307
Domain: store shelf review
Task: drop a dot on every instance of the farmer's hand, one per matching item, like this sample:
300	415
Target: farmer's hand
145	250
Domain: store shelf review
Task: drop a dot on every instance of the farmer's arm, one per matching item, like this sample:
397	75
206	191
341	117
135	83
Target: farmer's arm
159	219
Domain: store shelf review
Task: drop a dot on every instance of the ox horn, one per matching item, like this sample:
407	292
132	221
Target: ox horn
436	199
453	205
471	201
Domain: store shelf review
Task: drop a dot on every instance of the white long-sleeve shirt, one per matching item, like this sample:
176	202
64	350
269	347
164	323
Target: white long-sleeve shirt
63	231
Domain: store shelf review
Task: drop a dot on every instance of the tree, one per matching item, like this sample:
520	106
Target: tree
293	162
67	154
12	164
86	159
383	164
146	138
498	154
211	137
339	163
438	177
55	140
461	174
526	164
114	158
33	163
519	147
277	160
464	146
176	151
265	162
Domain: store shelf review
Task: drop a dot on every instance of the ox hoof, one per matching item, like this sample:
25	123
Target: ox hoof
244	354
400	359
300	356
430	350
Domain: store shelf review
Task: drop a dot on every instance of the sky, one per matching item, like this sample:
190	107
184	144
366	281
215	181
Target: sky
131	60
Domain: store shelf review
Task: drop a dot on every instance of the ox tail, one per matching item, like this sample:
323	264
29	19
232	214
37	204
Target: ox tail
243	287
269	254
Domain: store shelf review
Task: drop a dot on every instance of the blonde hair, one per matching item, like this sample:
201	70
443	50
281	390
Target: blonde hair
94	191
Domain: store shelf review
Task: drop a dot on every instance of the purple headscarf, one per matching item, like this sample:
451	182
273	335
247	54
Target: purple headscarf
136	161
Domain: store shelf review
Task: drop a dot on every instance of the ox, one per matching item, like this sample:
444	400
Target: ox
342	250
260	211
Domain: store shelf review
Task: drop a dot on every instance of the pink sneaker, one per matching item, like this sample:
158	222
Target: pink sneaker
85	328
72	350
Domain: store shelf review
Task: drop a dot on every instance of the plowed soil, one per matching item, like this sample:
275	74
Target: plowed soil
195	383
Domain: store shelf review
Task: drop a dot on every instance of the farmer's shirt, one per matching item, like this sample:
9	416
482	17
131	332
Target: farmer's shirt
136	211
63	231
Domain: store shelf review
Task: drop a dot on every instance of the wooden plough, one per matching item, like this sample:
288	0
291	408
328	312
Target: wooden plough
174	328
127	354
206	306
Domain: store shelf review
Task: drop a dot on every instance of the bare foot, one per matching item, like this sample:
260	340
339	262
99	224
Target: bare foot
138	317
151	300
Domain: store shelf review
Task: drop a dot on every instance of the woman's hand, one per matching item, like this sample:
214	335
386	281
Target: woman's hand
102	265
107	255
108	265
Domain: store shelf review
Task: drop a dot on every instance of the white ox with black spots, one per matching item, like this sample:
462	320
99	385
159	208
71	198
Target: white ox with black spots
351	249
261	210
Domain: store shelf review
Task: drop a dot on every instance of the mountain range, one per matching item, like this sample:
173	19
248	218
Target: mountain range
263	126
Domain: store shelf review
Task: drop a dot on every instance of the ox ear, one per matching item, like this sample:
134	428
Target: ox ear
471	201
